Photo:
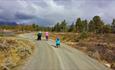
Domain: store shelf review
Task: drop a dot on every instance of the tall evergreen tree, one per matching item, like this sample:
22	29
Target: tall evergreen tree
113	26
57	27
35	27
78	25
91	26
98	24
63	26
71	28
85	25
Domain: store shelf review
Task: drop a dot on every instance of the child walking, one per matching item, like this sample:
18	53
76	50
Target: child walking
57	42
47	35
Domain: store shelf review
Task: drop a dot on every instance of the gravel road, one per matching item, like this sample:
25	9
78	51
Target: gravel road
47	57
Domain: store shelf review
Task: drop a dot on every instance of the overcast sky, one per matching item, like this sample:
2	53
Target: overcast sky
52	11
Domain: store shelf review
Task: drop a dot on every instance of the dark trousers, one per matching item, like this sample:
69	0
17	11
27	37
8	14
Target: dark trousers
46	37
39	38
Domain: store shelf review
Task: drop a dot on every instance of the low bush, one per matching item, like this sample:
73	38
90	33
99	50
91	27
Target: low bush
13	52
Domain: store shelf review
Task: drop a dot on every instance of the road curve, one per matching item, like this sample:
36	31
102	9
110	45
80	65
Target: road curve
47	57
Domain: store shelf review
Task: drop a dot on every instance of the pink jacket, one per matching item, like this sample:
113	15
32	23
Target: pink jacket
47	34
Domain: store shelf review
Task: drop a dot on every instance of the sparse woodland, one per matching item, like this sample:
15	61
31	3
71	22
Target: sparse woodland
94	37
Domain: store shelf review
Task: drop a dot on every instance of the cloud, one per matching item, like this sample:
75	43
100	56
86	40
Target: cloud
24	16
52	11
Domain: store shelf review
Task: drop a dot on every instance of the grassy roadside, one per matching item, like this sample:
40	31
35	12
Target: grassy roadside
13	52
100	47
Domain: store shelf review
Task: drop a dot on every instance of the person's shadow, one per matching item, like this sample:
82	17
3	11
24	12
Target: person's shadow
53	46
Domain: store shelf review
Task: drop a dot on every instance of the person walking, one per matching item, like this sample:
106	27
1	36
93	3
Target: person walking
39	35
47	35
57	42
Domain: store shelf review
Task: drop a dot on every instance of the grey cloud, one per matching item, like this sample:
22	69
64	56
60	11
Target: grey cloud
24	16
52	11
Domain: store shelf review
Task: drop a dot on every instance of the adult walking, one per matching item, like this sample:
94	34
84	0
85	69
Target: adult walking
39	35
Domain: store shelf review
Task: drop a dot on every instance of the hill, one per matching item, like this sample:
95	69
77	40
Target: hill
2	23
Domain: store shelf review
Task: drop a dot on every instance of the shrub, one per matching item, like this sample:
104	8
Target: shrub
82	36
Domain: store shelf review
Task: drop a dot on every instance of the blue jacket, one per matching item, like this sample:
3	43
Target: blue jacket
57	41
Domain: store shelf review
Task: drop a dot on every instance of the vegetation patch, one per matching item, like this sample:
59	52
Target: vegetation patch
97	46
13	52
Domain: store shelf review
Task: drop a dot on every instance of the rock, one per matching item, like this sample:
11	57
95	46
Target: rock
113	65
108	65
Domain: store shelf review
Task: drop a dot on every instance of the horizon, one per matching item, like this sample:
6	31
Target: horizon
50	12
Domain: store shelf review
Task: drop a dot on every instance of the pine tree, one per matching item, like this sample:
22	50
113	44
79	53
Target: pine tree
113	26
91	26
78	25
63	26
98	24
57	27
84	26
71	28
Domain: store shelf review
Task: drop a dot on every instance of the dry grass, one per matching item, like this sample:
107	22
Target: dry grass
13	51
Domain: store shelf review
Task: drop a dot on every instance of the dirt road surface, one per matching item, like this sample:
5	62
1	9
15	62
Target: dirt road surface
47	57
